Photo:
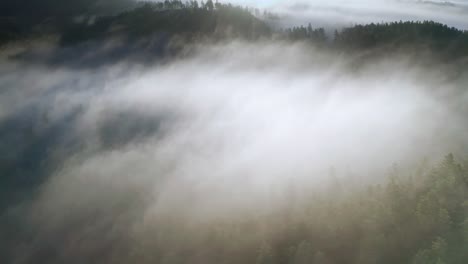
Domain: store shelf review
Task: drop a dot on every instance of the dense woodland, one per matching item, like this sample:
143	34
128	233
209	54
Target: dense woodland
174	18
415	216
418	217
412	36
83	22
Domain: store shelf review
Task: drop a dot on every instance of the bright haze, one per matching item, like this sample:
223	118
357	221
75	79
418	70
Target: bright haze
231	149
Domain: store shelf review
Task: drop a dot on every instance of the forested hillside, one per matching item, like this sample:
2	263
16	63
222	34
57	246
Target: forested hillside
415	216
23	19
410	37
194	132
173	18
82	21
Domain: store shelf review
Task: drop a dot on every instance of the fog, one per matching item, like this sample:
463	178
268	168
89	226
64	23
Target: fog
338	13
128	151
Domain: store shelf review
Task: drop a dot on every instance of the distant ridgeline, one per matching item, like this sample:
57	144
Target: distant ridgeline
171	18
412	36
85	20
20	19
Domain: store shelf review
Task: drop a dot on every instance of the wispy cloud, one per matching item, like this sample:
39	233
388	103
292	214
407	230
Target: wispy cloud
338	13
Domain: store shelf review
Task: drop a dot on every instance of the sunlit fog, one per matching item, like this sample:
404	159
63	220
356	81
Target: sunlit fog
208	132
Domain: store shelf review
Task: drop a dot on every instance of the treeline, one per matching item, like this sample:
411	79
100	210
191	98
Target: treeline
415	217
86	20
83	21
42	9
316	35
24	19
446	41
171	18
225	20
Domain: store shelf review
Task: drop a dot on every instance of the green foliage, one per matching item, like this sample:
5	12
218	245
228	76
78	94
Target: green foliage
426	35
317	36
435	254
84	20
171	18
416	216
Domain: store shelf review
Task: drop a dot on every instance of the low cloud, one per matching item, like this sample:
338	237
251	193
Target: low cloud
138	149
336	14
